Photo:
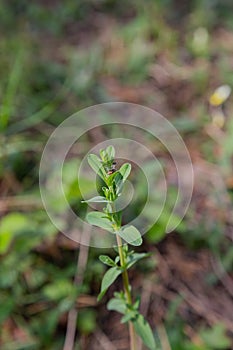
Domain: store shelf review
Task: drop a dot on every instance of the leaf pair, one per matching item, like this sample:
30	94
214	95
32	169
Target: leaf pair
108	154
115	270
98	166
131	259
141	326
128	233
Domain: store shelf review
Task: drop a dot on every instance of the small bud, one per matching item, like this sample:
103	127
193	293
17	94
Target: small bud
220	95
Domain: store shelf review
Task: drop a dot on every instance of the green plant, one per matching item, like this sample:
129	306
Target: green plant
110	219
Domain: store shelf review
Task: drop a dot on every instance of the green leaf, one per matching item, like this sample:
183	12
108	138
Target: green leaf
112	176
103	155
136	304
96	165
125	170
110	151
117	259
108	279
131	235
129	315
10	226
144	331
133	258
118	180
216	338
86	321
60	289
6	307
118	305
105	259
99	219
97	199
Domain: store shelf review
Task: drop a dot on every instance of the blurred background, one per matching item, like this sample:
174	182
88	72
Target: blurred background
58	57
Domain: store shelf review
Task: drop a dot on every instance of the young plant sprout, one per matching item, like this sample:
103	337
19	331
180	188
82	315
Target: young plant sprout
110	220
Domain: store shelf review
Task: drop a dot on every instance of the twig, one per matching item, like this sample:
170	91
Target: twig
22	202
104	341
163	337
86	300
200	306
78	280
221	273
197	303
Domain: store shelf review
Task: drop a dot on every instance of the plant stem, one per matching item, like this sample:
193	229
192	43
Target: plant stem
127	292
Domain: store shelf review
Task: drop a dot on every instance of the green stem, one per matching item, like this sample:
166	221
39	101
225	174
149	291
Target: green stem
127	291
126	284
125	273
